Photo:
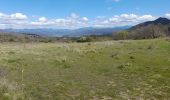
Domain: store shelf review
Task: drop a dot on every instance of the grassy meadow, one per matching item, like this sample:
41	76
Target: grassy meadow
110	70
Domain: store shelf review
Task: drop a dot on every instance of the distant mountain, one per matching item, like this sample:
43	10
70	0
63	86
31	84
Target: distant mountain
67	32
41	32
95	31
151	29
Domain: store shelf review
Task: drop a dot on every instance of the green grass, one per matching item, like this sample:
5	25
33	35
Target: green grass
135	69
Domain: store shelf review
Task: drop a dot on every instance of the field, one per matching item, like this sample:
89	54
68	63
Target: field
111	70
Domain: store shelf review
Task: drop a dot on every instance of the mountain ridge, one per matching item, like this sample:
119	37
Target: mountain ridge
67	32
160	20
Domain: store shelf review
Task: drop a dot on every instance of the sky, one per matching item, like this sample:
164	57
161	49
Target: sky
79	13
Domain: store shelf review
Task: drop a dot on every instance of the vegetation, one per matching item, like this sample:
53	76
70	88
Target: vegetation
94	38
147	30
150	30
129	69
121	35
84	39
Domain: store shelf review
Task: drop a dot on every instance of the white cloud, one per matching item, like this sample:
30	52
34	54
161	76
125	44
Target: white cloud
85	19
19	20
128	17
73	15
16	20
123	19
18	16
72	21
146	17
42	19
114	19
167	15
2	15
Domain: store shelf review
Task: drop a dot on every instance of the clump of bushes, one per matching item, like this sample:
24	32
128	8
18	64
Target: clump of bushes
46	40
11	52
151	47
11	40
167	39
132	57
121	67
65	66
124	66
114	55
84	39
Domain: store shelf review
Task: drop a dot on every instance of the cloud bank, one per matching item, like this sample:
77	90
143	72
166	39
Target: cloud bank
20	21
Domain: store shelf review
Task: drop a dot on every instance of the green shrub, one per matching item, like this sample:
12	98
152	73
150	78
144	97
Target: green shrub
84	39
11	40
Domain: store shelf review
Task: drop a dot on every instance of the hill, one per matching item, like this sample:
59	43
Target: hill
161	20
17	37
151	29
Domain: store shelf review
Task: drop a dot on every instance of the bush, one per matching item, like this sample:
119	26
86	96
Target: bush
132	57
11	40
84	39
46	41
151	47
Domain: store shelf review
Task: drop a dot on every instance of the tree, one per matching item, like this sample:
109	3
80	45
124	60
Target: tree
123	34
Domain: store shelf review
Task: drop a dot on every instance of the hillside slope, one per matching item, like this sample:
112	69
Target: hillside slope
109	70
151	29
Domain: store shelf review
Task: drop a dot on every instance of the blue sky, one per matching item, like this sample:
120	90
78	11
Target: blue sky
79	13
